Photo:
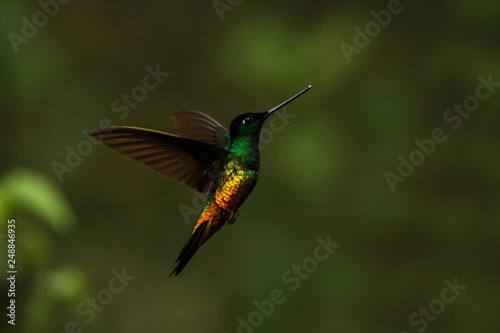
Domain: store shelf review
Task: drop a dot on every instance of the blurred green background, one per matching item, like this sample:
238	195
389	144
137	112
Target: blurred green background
323	174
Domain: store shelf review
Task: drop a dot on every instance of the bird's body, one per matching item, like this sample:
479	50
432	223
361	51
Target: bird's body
204	156
227	193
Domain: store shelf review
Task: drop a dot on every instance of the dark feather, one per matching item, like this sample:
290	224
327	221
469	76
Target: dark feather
197	238
192	245
193	163
198	126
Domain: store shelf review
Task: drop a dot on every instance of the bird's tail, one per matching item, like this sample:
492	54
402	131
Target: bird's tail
209	222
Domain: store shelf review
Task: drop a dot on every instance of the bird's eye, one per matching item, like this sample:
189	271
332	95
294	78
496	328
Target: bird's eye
247	120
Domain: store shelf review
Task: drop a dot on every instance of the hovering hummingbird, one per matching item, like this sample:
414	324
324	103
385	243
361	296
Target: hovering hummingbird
203	156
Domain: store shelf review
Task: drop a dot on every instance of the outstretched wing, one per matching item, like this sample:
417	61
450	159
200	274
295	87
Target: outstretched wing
198	126
193	163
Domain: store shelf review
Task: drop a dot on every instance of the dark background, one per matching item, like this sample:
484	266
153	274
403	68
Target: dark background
322	174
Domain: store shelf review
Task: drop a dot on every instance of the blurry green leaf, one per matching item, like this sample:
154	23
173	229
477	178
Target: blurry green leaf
67	283
55	293
23	189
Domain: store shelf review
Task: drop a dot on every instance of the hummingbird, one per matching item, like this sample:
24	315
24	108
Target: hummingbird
204	156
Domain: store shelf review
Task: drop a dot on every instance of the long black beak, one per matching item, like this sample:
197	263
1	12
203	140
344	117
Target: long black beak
279	106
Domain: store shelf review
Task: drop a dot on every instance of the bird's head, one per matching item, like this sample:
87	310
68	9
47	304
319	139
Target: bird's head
249	125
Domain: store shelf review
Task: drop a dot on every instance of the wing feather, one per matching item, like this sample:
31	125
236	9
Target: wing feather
198	126
193	163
